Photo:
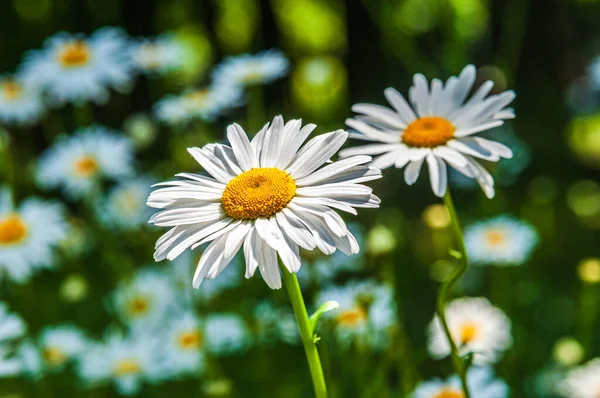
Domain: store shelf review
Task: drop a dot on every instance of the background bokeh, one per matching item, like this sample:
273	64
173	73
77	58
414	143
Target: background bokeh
340	53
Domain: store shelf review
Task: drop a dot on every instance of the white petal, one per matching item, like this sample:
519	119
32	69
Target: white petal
380	112
371	133
437	175
411	172
252	248
387	159
399	103
322	150
495	147
272	143
463	132
419	95
331	170
295	230
451	155
241	147
269	269
211	164
371	149
471	147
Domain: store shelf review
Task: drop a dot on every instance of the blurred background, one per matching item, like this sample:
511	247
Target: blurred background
86	289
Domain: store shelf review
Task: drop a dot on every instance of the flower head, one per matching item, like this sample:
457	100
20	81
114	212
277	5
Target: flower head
183	346
252	69
78	69
20	102
502	240
226	333
438	129
476	327
583	381
12	327
269	195
28	234
60	345
366	313
79	163
125	205
480	380
158	55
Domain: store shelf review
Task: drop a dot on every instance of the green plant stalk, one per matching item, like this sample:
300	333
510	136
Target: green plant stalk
310	348
460	365
256	109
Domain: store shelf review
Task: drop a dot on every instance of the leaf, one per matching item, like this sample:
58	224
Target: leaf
456	254
325	307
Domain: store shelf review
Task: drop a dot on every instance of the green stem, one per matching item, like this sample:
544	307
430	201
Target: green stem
460	365
310	348
256	108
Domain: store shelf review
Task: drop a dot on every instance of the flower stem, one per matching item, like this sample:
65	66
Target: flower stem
310	348
256	108
460	365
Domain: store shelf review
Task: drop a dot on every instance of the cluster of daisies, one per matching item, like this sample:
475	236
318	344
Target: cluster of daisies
79	69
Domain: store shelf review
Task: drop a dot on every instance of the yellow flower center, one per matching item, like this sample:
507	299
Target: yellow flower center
86	166
11	89
495	238
190	340
468	333
428	132
74	54
352	317
259	192
138	306
149	56
197	97
449	393
54	356
12	230
127	367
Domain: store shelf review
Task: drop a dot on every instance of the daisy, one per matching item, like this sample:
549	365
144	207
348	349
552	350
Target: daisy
252	69
158	55
125	205
184	346
480	380
61	344
127	362
20	102
145	300
79	163
502	240
226	333
583	381
267	196
439	129
366	314
28	234
30	360
78	69
11	327
198	104
476	326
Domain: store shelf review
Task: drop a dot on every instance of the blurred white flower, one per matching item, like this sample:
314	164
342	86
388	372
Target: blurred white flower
199	104
502	240
124	207
439	132
145	300
226	333
158	55
480	380
61	344
476	326
266	195
583	381
127	362
12	327
78	69
251	69
28	234
20	102
30	360
366	315
78	163
183	348
275	324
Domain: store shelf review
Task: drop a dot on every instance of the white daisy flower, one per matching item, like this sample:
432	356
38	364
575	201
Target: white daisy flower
60	345
145	300
127	362
226	333
30	360
78	163
366	315
439	129
583	381
158	55
502	240
480	380
476	326
78	69
199	104
28	234
11	327
183	347
20	102
251	69
125	205
266	195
